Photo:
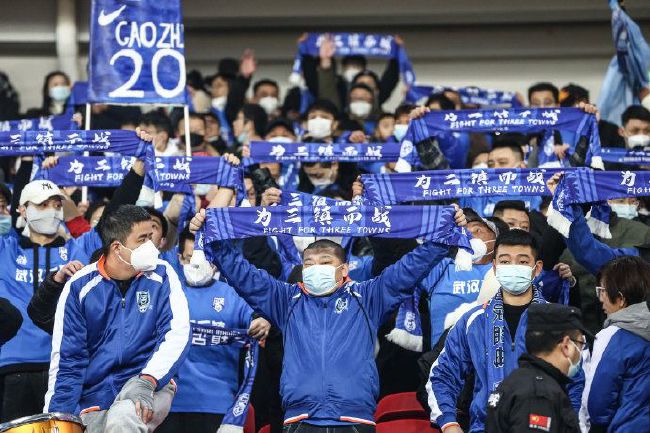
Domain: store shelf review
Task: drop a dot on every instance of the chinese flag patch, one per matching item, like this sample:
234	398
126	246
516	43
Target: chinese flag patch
539	422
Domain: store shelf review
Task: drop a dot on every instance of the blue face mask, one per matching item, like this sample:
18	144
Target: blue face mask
400	131
514	279
574	369
320	280
5	224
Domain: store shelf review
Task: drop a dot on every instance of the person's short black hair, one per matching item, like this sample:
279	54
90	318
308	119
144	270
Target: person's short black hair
572	94
118	225
323	244
355	58
225	76
385	115
404	109
544	342
629	276
212	116
363	87
512	141
195	80
5	192
440	98
257	115
517	237
284	123
476	148
324	105
544	87
347	124
367	73
636	112
510	204
158	120
186	235
163	221
265	82
193	115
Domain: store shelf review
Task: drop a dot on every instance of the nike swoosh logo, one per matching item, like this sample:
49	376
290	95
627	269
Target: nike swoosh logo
105	19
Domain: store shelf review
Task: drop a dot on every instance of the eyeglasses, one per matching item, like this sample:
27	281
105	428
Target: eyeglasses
599	291
580	343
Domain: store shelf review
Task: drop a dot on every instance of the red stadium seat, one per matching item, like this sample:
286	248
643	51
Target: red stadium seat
400	406
265	429
406	426
249	425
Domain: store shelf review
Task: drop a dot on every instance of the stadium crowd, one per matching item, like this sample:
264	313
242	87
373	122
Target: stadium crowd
107	303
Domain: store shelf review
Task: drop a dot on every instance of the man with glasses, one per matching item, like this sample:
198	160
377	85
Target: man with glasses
534	396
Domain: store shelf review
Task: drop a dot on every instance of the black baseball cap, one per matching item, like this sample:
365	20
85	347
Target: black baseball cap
555	317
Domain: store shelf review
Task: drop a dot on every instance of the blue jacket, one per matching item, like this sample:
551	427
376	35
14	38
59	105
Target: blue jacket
587	250
329	375
617	386
465	350
23	266
208	379
102	339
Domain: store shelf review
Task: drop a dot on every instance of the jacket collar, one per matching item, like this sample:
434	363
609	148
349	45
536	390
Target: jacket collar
25	242
535	362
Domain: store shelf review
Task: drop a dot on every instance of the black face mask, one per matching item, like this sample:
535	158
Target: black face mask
195	139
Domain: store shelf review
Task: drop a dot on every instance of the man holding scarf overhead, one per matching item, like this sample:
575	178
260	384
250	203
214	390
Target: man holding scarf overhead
329	324
488	339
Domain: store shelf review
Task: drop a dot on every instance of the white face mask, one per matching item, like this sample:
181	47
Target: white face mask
480	165
625	210
198	275
45	222
360	109
479	246
319	127
202	189
350	73
269	104
280	139
219	103
143	258
638	140
400	131
321	181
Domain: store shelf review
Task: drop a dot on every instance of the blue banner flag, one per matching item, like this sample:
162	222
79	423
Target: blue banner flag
450	184
177	173
125	143
523	120
471	95
137	52
95	171
362	44
627	73
295	198
625	156
266	151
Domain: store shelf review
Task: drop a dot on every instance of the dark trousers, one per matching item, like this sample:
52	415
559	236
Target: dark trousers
301	427
23	394
190	422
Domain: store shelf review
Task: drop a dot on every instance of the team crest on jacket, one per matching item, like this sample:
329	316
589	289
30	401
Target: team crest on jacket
63	253
218	303
493	400
21	260
341	305
144	300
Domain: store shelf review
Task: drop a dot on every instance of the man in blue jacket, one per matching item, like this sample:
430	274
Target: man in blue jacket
329	323
121	331
488	339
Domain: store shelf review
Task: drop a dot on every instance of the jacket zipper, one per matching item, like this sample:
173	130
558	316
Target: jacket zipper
121	331
323	350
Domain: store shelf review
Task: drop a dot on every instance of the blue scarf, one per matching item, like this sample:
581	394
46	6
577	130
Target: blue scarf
95	171
524	120
494	338
363	44
429	222
266	151
295	198
176	173
395	188
486	98
188	210
595	187
628	71
45	123
235	417
408	327
126	143
625	156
